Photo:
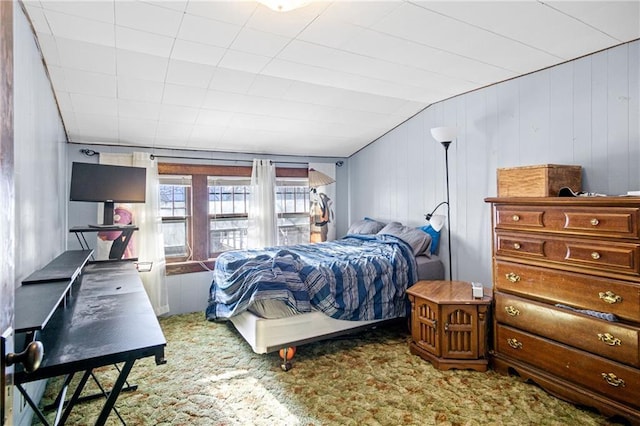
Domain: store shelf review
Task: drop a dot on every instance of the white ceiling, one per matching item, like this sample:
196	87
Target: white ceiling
323	80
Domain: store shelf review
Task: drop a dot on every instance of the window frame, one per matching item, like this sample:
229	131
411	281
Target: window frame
198	230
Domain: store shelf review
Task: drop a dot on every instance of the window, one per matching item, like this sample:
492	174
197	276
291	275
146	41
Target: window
175	201
205	211
228	213
292	201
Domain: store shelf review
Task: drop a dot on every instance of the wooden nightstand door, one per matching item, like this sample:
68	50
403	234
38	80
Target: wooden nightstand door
460	331
425	326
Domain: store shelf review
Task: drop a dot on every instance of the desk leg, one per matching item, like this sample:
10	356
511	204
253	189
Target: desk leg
75	396
113	395
84	245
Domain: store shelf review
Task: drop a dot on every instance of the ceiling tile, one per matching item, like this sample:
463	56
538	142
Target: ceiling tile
58	78
259	42
148	17
97	128
236	12
94	10
183	95
197	52
75	28
49	49
89	83
520	21
619	19
330	32
226	80
86	56
137	131
354	13
178	114
207	31
206	137
433	29
177	5
133	109
38	18
269	87
64	101
141	66
140	41
225	101
140	90
189	73
105	106
210	117
244	61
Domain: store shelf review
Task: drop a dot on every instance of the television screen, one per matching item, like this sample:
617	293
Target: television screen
108	184
100	182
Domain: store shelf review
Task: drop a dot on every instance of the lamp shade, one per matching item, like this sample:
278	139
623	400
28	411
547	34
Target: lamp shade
317	179
437	222
444	134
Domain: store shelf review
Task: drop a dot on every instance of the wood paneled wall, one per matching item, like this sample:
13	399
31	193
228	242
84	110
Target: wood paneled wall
7	194
585	112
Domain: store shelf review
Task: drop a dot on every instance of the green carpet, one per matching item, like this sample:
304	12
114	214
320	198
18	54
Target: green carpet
212	377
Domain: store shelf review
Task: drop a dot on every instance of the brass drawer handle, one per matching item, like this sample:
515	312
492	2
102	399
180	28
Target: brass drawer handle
595	255
610	297
595	221
515	344
516	246
515	217
609	339
512	311
613	380
513	277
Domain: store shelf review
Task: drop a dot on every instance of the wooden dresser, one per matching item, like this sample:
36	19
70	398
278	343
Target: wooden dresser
562	269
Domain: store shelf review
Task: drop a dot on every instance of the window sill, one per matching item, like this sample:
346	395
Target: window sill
179	268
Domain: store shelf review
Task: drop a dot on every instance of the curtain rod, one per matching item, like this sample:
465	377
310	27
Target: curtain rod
91	153
152	156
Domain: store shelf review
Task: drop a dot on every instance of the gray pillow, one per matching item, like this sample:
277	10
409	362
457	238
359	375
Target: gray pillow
419	240
365	226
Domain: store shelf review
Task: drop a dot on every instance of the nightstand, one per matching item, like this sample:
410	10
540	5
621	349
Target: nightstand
448	325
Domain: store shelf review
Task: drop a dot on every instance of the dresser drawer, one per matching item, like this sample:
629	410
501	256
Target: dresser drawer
609	378
580	291
603	256
621	222
613	340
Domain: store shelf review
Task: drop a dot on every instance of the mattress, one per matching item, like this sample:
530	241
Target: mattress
430	268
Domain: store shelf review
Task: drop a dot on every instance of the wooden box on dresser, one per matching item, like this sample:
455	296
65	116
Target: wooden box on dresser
566	279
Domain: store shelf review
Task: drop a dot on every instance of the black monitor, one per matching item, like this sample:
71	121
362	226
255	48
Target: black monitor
108	184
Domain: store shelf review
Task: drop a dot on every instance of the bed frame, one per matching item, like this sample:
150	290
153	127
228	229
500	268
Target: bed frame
269	335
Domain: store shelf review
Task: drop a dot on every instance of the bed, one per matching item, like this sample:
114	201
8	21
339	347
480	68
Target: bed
284	297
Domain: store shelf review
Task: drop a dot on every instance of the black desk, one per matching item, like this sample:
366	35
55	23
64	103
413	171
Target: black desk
109	320
119	244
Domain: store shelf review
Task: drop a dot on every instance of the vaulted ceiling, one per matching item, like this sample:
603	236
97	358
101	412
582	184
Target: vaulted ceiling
322	80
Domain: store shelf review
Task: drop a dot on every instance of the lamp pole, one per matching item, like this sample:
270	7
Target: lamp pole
446	165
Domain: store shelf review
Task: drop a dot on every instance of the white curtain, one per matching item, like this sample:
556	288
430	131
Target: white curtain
148	240
263	220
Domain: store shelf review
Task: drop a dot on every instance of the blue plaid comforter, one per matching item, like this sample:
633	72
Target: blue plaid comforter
359	277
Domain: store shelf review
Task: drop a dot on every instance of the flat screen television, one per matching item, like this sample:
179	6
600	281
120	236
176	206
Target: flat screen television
108	184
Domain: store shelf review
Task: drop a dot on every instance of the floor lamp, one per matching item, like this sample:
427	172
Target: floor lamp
446	135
